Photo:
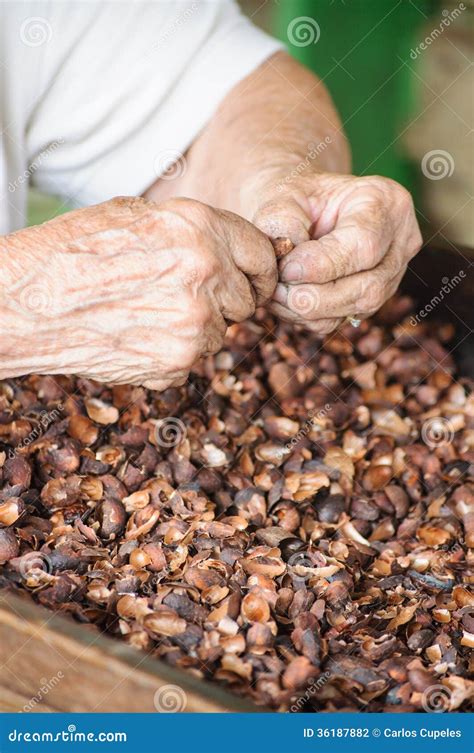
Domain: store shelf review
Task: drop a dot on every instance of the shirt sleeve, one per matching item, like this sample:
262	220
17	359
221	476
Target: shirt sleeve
124	89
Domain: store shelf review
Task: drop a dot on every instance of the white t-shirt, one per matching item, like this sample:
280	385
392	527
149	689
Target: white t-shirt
97	99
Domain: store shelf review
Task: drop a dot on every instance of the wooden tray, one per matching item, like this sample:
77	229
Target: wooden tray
85	671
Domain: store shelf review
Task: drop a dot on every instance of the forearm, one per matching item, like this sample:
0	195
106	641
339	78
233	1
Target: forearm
279	119
19	274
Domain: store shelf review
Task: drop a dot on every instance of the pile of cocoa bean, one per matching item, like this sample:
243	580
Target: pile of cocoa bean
296	523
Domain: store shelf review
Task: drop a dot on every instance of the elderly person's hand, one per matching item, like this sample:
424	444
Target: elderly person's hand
129	291
353	238
276	153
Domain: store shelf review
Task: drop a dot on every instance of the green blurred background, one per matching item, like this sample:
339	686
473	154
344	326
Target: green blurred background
360	56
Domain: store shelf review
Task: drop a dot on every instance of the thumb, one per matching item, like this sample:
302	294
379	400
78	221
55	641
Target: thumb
252	253
284	217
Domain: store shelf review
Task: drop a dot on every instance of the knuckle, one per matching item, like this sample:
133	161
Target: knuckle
416	243
339	257
404	198
202	318
193	217
392	266
186	353
372	298
214	343
369	245
336	260
325	326
382	183
392	194
205	263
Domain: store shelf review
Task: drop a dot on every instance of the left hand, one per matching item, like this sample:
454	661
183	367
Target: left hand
354	238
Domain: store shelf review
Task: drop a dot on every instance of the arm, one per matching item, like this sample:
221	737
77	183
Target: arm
262	130
275	152
128	291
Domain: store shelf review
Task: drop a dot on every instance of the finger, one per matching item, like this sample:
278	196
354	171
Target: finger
359	242
157	384
319	327
252	252
361	293
324	326
235	296
284	217
214	334
163	384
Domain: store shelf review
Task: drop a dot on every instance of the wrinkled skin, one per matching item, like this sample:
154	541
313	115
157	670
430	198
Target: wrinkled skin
130	291
136	291
284	164
354	238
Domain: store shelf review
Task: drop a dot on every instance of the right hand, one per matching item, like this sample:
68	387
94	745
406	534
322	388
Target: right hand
133	292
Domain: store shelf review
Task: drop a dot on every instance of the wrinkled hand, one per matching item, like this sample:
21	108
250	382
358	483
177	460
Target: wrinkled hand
353	236
135	292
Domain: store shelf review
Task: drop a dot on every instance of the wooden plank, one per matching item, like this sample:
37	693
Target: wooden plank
12	702
48	662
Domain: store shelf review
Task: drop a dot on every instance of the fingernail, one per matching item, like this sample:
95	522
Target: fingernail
293	272
281	294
